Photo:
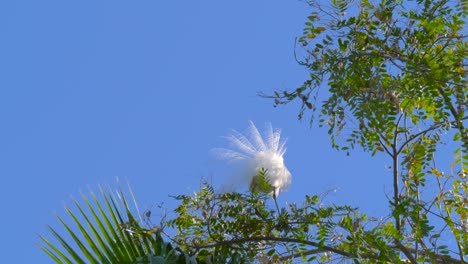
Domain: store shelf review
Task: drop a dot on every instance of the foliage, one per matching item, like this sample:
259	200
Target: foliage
396	80
242	228
114	235
245	228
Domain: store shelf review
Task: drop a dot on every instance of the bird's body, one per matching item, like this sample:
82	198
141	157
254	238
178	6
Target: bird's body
252	153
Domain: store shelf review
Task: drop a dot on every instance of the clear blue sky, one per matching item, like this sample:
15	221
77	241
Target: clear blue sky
142	90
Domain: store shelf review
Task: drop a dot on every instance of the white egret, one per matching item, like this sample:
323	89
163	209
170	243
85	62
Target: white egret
252	153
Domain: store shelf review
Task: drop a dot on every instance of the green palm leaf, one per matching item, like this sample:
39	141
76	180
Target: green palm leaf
107	231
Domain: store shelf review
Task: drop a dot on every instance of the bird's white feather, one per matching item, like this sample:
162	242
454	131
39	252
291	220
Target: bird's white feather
251	153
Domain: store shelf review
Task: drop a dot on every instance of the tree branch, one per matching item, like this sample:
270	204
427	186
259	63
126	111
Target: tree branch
287	240
305	253
434	126
406	252
321	248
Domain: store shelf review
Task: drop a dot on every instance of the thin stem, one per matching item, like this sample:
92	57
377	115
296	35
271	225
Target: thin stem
394	156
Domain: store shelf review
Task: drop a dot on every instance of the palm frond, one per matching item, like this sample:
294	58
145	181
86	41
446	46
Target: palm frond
105	230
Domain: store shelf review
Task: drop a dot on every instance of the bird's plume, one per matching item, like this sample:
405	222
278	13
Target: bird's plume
256	156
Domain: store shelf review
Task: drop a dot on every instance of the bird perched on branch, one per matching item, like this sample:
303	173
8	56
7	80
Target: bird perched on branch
259	160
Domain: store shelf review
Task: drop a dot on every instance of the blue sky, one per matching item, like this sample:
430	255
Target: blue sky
142	90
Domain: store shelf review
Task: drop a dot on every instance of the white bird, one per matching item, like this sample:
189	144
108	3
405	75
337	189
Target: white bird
253	154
